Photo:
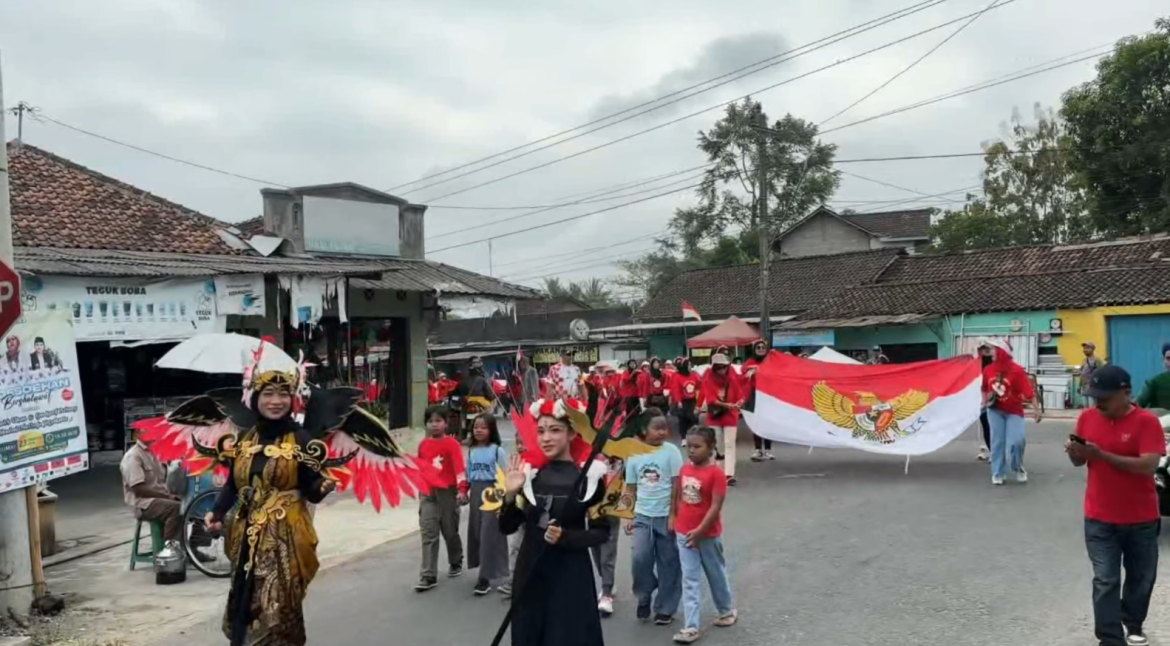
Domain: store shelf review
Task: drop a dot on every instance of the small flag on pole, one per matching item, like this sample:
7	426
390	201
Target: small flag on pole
689	312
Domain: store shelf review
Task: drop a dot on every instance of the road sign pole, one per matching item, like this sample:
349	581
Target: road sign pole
16	576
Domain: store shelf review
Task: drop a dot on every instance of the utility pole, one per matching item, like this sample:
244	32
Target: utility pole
16	575
19	111
762	225
491	267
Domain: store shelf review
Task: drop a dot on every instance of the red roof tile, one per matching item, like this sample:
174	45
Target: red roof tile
58	203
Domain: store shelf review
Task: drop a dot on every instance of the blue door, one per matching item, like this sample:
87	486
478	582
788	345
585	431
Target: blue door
1135	343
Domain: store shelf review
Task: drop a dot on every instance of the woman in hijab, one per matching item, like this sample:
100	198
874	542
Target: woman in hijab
630	392
652	386
763	449
272	543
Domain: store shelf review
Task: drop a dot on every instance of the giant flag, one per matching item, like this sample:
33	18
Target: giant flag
903	409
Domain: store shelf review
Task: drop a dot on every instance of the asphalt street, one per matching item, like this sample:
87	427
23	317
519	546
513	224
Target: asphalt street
835	547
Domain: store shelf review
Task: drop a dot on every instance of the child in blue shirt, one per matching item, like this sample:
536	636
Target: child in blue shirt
487	547
650	481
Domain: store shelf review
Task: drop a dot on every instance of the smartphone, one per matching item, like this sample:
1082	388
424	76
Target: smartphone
1076	438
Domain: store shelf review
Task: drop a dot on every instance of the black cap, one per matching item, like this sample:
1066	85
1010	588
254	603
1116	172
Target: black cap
1108	380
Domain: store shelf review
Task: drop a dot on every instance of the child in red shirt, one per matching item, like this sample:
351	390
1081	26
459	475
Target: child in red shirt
439	510
697	520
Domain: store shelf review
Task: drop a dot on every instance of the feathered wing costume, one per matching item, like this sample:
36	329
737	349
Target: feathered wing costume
275	467
554	602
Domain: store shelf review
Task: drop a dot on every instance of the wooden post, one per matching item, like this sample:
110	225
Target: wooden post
34	541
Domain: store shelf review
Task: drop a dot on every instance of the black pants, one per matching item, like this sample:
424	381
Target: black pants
986	428
687	418
1116	604
762	443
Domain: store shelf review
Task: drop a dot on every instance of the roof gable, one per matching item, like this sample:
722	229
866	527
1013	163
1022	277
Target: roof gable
59	203
795	285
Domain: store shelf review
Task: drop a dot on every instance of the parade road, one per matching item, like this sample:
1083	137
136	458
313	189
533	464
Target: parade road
832	547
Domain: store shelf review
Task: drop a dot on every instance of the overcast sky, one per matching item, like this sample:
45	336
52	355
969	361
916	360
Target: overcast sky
382	93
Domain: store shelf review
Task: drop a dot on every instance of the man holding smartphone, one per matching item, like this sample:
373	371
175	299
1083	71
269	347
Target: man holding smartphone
1121	445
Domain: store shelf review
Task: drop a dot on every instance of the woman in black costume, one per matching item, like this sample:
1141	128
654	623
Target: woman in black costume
554	591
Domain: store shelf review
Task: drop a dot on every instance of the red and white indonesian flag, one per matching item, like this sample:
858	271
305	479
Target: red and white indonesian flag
689	312
904	409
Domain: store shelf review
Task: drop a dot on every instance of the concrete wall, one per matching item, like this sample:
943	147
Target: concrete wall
823	234
1091	325
386	304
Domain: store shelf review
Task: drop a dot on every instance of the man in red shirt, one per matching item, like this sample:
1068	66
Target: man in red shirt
1121	444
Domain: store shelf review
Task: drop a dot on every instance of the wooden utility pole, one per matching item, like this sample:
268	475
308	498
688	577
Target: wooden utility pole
16	568
762	226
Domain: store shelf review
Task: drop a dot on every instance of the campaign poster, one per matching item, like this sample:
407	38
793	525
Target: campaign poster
42	419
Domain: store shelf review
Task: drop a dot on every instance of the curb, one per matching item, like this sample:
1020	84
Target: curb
82	552
15	641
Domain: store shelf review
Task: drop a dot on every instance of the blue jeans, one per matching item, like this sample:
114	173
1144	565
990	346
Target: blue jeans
706	558
655	549
1007	442
1116	605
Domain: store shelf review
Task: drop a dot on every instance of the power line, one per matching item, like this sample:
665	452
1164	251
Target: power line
908	11
959	93
878	181
41	116
569	219
714	107
591	265
914	64
581	251
525	215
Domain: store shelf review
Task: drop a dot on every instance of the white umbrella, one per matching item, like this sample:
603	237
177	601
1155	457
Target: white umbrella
829	355
225	354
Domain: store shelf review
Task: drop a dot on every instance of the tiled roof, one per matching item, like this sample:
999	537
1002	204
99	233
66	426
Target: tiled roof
893	224
251	227
1080	289
428	276
1126	272
795	285
58	203
1015	261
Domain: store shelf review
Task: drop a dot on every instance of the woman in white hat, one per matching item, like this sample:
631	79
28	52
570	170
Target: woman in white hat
723	395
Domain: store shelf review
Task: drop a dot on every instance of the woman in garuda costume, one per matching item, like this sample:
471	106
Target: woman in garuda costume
280	461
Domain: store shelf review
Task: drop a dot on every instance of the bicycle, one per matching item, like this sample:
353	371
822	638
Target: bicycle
206	550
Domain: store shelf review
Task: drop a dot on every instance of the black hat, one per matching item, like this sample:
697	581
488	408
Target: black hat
1108	380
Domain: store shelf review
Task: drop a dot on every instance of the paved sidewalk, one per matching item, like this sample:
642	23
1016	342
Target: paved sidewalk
117	603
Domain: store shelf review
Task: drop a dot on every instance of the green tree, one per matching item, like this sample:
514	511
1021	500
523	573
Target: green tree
1032	194
799	177
592	292
722	229
1119	124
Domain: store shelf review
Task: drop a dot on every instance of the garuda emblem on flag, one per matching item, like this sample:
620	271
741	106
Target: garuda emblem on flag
868	417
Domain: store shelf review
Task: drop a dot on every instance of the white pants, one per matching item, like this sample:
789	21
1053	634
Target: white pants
725	441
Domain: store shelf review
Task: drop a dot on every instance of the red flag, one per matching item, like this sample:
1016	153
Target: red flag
689	312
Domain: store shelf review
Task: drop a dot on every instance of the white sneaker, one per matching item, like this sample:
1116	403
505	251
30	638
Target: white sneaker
757	455
605	606
984	455
768	455
1021	476
1136	639
996	481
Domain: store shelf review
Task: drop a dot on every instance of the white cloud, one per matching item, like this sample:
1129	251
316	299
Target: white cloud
384	92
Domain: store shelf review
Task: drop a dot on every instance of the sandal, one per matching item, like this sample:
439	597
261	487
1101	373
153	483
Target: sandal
728	619
686	636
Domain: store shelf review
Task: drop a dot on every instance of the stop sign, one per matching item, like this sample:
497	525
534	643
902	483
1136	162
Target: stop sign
9	297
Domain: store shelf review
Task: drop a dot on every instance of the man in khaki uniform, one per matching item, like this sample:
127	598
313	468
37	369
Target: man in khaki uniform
145	490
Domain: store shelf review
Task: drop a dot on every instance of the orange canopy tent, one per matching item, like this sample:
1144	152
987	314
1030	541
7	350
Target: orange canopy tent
731	333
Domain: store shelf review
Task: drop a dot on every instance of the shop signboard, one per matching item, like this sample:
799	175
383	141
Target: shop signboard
42	419
127	309
581	354
803	338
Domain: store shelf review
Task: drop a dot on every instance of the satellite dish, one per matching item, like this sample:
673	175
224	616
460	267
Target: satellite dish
579	330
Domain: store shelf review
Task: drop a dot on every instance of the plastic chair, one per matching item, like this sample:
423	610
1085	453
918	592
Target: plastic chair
156	543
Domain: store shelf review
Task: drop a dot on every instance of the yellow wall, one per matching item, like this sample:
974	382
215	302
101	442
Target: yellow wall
1081	326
